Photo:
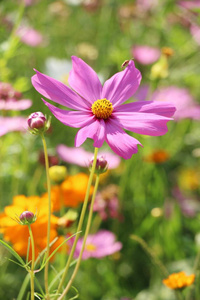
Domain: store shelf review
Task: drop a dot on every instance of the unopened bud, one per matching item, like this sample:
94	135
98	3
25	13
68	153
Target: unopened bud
38	123
58	173
27	217
101	165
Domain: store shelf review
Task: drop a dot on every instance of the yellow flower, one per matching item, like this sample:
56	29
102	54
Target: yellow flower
179	280
18	234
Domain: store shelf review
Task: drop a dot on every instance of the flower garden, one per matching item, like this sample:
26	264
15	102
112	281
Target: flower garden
100	150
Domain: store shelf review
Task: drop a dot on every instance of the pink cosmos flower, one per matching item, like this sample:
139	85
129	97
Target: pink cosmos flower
98	245
145	55
180	97
9	98
81	157
99	111
8	124
29	36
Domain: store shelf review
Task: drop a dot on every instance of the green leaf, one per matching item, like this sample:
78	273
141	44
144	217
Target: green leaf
13	252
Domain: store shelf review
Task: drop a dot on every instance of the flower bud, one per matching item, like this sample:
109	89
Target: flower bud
38	123
101	165
27	217
58	173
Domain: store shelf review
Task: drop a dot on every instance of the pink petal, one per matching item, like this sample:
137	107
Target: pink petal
58	92
70	118
145	55
15	105
84	80
120	142
142	93
95	131
165	109
121	86
9	124
77	156
81	157
143	123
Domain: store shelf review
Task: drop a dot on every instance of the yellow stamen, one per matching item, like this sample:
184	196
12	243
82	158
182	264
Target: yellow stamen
102	108
90	247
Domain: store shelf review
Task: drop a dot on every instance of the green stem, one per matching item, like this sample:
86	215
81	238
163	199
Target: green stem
33	262
84	240
49	216
80	221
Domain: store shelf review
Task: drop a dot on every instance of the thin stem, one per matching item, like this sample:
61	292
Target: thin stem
80	221
49	216
33	262
84	240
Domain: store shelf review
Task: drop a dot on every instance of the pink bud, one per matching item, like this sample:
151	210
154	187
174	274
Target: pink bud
101	165
36	120
27	217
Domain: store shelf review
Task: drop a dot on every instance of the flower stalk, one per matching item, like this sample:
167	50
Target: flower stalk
79	227
33	262
84	240
49	216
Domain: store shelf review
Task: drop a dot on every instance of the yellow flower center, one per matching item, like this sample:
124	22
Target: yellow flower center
90	247
102	108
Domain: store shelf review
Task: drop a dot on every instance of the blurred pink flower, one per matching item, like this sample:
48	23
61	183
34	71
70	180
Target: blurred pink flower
9	98
145	5
190	4
98	245
107	207
8	124
98	110
189	206
145	55
29	36
195	32
28	2
183	101
81	157
179	97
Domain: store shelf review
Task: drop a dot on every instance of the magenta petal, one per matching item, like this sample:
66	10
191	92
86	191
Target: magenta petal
58	92
84	80
95	131
120	142
70	118
165	109
122	85
15	105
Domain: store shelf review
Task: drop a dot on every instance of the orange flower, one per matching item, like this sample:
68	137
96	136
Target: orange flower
158	156
179	280
18	234
71	192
